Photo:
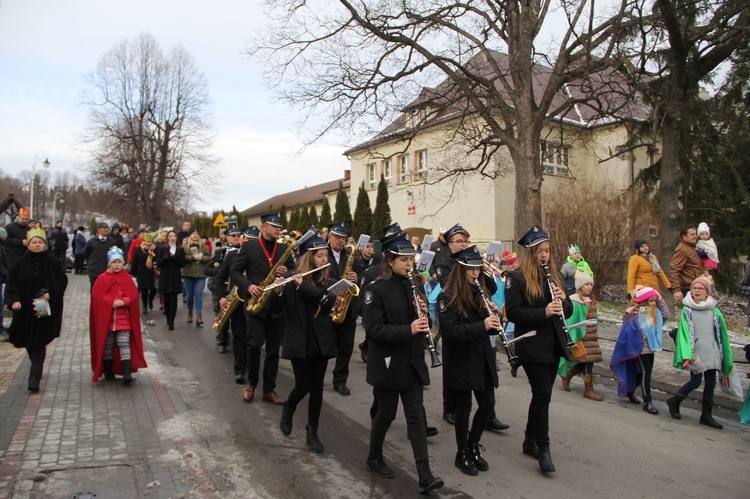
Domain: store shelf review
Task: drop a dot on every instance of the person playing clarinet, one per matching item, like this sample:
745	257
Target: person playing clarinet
535	300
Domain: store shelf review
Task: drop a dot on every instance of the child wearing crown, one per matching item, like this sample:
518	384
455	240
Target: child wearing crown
114	320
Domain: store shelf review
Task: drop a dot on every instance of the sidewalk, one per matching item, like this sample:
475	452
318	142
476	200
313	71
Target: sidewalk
75	436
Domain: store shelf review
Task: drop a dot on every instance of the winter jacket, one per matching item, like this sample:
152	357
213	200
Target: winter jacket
640	271
308	330
95	253
685	266
194	268
170	279
14	246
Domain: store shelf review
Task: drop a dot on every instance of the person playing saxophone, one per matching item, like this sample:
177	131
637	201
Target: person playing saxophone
237	321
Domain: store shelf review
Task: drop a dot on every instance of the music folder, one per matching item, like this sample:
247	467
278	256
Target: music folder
339	287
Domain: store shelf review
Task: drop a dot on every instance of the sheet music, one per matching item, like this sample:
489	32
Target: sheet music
425	261
493	250
339	287
362	242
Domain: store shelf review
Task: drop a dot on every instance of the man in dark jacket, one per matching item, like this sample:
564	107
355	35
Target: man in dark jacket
59	242
96	251
15	243
117	237
3	278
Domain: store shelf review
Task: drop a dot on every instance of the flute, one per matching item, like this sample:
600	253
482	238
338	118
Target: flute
291	278
551	285
512	357
434	358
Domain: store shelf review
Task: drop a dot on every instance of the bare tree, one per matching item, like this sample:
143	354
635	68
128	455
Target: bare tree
676	46
149	125
354	62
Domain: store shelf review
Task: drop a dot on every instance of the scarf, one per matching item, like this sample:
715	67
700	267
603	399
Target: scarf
172	249
710	303
655	267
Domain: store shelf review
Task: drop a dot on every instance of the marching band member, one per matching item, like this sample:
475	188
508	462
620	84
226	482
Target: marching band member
237	320
308	336
251	266
395	363
338	254
468	358
531	306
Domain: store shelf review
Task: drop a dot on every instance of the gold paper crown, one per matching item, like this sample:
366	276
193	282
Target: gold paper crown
36	233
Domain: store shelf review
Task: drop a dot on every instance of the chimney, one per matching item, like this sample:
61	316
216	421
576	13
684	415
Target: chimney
347	175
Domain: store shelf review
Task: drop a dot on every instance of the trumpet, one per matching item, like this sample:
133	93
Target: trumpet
291	278
512	357
434	358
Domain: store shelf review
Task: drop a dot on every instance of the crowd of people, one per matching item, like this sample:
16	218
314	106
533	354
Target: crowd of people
298	296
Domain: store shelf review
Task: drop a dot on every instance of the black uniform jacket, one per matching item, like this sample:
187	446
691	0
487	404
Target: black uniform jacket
539	349
144	276
222	280
212	267
443	271
467	353
251	266
395	359
170	278
337	273
30	275
307	330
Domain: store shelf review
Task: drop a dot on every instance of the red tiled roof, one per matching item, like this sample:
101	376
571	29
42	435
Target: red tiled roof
305	196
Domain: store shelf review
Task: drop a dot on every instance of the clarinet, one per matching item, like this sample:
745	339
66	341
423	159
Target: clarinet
430	343
512	357
552	292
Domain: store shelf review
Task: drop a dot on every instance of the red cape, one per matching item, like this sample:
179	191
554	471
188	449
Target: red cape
102	298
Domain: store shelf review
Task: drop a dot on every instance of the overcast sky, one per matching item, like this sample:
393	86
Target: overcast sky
46	46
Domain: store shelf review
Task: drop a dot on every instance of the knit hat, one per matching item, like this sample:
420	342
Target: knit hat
115	253
36	233
573	248
583	278
643	293
639	243
703	227
706	281
509	257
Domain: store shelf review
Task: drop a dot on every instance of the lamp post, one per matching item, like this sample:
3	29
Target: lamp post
58	199
46	164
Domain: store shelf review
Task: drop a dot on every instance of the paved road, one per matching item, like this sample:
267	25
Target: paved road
182	430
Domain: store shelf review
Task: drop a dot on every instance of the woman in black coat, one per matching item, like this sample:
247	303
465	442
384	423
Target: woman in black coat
170	259
395	361
36	279
530	305
468	358
308	336
142	268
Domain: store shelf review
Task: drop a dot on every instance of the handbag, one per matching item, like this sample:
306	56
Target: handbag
731	384
577	350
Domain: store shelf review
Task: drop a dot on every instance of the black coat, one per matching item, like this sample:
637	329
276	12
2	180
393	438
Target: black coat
308	330
58	240
31	273
443	271
3	264
395	359
170	278
144	276
14	246
467	353
550	341
251	266
337	273
222	280
95	253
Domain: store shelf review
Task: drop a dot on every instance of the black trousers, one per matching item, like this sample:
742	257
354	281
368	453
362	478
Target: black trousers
643	378
344	334
486	405
239	340
78	263
36	356
147	298
262	330
541	378
412	400
308	379
170	307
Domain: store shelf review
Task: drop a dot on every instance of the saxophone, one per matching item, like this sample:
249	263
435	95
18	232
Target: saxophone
233	300
338	312
255	305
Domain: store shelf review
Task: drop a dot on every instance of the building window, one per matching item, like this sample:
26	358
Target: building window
422	165
371	183
387	172
555	159
403	162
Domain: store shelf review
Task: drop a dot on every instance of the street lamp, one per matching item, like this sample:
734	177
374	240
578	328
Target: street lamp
46	164
58	199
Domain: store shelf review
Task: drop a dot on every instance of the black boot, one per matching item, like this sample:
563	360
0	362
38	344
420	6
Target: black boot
706	417
33	384
126	376
286	420
376	464
544	458
514	365
427	481
674	405
476	456
649	407
312	440
109	372
465	463
530	447
633	399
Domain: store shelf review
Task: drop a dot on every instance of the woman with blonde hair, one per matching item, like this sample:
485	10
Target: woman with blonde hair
197	256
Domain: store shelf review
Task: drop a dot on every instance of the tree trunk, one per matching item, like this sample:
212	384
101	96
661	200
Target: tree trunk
528	207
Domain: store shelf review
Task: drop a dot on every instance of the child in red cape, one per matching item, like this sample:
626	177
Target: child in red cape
114	318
